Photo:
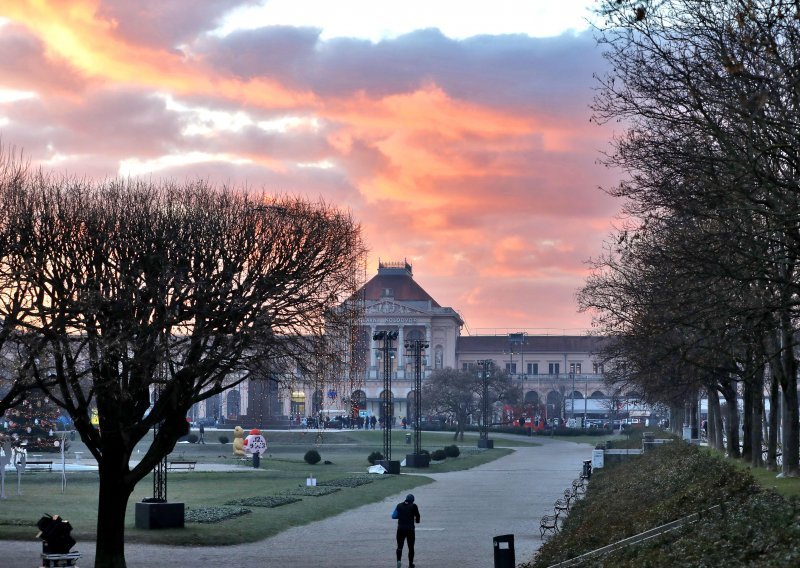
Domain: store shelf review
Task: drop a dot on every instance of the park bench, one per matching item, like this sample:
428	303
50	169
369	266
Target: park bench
578	487
182	465
570	495
40	465
561	505
548	523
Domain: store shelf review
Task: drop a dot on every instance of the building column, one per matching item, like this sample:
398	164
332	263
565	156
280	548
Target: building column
400	349
372	352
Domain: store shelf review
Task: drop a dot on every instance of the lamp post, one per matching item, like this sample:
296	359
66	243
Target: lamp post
387	337
572	396
415	349
484	441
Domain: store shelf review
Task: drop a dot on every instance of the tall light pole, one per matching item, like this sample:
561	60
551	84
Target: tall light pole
387	337
572	396
415	349
484	441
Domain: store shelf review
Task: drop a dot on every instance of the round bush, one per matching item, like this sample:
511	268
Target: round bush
438	455
452	451
223	439
192	438
374	456
312	457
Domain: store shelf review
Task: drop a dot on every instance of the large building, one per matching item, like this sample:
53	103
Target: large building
556	372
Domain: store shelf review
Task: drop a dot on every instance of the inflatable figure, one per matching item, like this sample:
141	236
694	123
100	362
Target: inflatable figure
238	441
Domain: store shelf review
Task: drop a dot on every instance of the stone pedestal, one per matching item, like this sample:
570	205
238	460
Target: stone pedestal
391	466
418	460
159	515
486	444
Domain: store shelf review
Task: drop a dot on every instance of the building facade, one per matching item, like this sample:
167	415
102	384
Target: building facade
557	373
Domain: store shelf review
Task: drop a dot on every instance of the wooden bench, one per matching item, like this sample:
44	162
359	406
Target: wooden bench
181	465
39	465
548	523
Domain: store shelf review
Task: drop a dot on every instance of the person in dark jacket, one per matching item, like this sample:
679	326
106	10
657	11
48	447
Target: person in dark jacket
407	516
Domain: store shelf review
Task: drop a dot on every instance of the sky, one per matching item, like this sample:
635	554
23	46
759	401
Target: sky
456	132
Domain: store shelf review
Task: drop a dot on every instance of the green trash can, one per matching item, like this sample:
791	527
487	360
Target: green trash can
504	551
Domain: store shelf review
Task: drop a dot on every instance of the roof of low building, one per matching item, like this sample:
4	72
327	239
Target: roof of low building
529	344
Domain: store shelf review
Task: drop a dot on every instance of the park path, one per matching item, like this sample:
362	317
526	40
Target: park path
461	513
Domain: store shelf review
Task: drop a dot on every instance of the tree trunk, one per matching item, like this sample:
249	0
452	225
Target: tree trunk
773	421
113	502
711	422
756	434
790	429
713	403
728	390
747	421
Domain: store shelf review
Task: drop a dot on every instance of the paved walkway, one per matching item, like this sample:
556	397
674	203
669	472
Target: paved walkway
461	513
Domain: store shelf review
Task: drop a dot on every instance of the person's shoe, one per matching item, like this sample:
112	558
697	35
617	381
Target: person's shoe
399	564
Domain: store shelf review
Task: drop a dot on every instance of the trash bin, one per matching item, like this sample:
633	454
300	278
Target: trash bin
408	438
587	469
504	555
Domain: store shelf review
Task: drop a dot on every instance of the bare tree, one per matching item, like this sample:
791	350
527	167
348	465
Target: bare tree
458	394
129	287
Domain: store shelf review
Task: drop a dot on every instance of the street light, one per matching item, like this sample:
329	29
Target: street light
415	348
387	337
484	441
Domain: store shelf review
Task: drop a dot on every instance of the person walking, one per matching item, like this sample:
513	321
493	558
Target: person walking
202	439
407	515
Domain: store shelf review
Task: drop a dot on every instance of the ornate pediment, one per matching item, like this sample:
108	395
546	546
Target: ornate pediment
386	307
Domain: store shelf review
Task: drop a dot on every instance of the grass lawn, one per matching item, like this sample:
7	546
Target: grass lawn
282	471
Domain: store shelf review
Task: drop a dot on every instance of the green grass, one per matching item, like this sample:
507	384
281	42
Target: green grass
280	474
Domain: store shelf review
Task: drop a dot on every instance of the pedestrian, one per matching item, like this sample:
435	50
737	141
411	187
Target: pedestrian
407	516
202	439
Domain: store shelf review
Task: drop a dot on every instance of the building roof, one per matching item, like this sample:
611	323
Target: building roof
530	344
395	280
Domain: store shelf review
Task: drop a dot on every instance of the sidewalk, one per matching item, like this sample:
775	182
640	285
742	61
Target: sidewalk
461	513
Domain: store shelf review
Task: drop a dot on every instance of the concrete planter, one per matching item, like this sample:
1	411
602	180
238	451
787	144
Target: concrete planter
159	515
418	460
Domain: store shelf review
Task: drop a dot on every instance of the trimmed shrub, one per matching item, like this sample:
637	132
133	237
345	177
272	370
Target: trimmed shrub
438	455
452	451
374	456
312	457
223	439
192	438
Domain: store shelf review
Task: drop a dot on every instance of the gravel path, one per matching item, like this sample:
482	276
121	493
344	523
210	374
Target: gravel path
461	513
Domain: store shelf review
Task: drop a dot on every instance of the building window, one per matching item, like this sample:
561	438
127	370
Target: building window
575	368
468	367
511	368
388	293
533	368
553	368
597	368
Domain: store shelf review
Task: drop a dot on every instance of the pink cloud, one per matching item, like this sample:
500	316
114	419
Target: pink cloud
474	159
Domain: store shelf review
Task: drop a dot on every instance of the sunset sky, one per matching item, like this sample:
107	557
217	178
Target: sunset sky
456	131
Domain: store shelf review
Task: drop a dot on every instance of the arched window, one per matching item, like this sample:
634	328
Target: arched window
233	406
316	402
360	399
532	397
598	394
387	396
213	407
411	404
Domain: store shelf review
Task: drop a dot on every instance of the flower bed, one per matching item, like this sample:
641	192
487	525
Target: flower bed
313	491
264	501
352	481
213	514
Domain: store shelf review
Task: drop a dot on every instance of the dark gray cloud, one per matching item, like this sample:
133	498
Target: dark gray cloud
511	70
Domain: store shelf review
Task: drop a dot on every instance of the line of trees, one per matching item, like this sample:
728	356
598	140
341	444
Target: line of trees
698	286
109	291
